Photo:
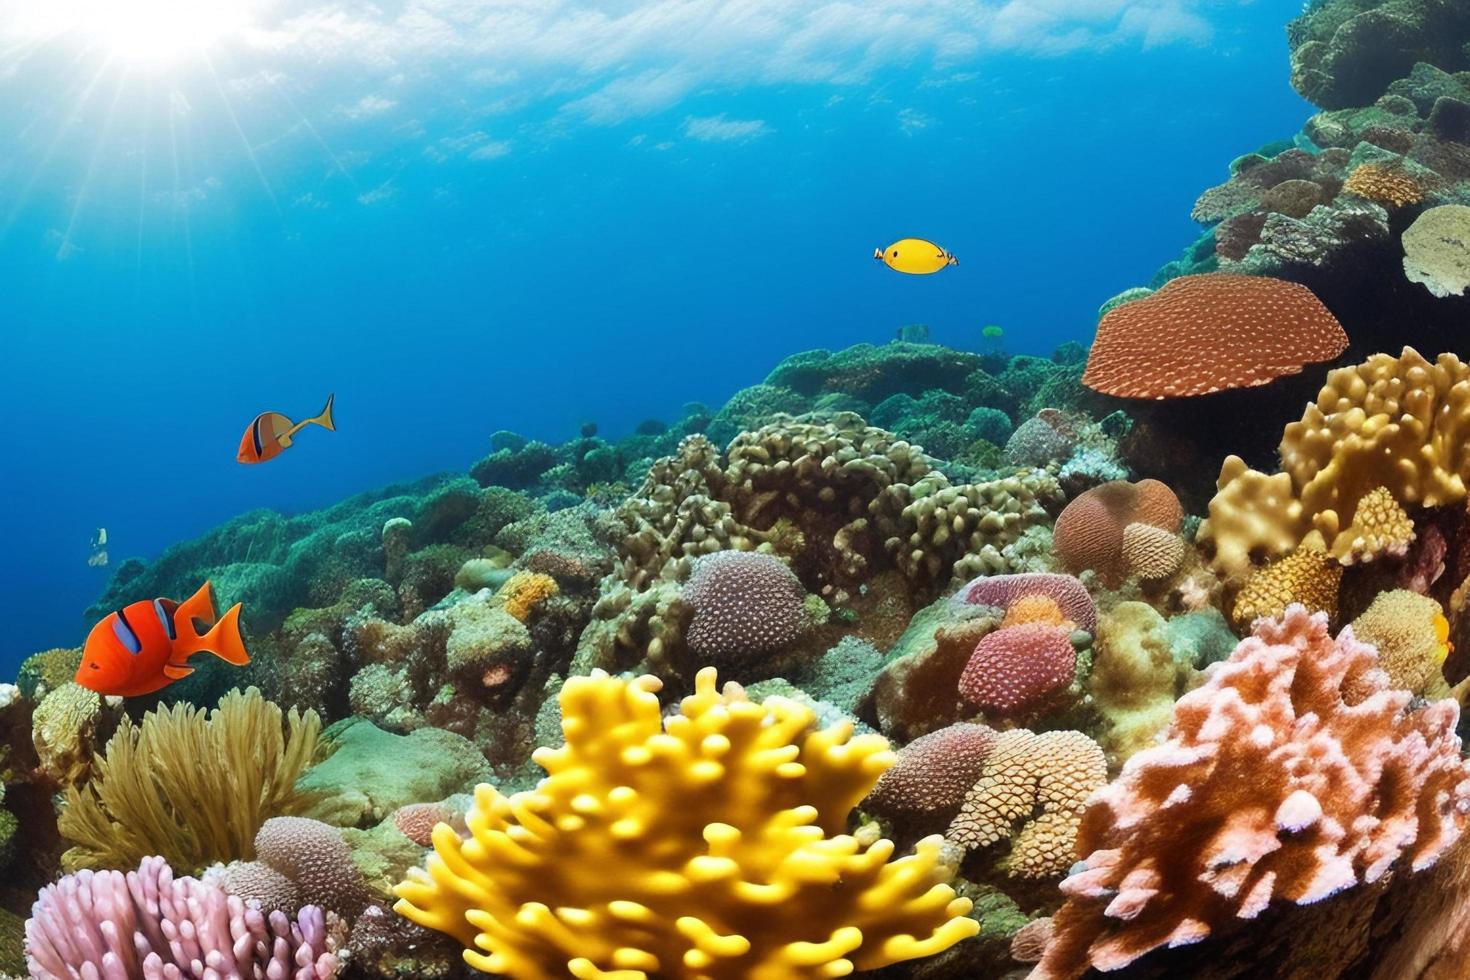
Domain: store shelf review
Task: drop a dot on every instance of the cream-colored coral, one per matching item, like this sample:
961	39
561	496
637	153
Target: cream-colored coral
64	729
1152	553
1437	250
710	846
1400	423
1380	527
1306	576
1411	635
1032	790
1135	678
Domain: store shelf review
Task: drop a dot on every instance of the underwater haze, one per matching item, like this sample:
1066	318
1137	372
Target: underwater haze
476	215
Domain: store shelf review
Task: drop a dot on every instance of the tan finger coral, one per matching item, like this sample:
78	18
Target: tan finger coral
1033	789
1400	423
1306	576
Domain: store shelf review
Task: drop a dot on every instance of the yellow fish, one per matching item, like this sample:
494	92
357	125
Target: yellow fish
1442	634
915	256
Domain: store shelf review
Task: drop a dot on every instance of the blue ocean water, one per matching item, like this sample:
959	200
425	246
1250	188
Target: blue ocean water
598	212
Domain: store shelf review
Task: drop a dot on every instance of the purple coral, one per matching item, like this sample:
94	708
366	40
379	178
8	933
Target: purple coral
149	925
745	604
1001	590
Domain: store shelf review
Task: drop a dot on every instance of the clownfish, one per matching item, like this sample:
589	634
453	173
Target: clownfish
915	256
271	433
145	647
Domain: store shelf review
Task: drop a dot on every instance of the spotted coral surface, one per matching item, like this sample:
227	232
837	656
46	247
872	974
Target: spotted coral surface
933	772
1004	591
1016	670
1271	788
1032	790
746	605
1401	423
710	845
1207	333
1306	577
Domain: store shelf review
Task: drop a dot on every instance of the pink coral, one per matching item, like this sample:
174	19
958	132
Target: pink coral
315	858
933	773
1294	772
745	604
1002	590
149	925
1017	669
417	821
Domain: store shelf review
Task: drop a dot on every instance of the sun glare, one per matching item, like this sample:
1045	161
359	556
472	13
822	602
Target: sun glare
155	32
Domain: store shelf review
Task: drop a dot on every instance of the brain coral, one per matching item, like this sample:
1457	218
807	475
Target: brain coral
1201	334
1089	533
745	604
1033	789
1401	423
709	845
1015	670
933	772
1003	591
1411	635
1270	788
1151	553
1437	250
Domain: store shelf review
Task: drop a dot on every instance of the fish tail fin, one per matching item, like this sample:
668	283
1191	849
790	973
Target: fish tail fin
877	253
196	612
325	418
224	640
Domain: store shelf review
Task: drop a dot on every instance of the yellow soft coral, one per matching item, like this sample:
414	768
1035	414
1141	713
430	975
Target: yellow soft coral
707	846
524	591
1399	423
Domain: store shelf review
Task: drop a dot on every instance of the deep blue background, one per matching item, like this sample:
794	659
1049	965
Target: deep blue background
154	301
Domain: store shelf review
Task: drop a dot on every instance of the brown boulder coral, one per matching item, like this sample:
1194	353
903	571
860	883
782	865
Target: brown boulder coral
1208	333
1091	531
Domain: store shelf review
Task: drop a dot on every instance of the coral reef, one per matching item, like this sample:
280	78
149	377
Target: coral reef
538	897
1293	773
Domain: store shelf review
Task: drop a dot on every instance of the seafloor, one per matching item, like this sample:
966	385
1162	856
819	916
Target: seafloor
1113	714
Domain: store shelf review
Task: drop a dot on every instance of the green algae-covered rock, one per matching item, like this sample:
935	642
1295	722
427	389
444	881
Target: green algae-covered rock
370	772
383	855
874	372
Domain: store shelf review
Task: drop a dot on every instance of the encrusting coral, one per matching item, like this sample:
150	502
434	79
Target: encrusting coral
148	925
190	785
1389	186
658	848
1293	773
1437	250
1307	577
1031	790
1397	423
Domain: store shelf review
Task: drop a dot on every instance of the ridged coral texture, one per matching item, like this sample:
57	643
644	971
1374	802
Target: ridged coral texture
1295	772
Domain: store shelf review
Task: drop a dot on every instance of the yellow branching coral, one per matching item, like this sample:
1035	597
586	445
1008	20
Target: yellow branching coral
1306	576
524	591
707	846
1399	423
189	785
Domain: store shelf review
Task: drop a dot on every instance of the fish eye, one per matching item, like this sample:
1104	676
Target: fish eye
94	666
895	253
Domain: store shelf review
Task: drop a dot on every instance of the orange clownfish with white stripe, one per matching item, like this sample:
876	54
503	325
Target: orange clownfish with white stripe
271	433
144	647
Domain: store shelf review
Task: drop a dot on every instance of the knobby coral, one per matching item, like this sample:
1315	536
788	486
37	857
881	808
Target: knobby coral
746	604
190	785
1293	773
1016	670
1306	577
149	925
1032	790
658	848
933	772
1201	334
1399	423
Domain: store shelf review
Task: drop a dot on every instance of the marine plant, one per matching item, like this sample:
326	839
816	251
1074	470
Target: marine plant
710	845
190	785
